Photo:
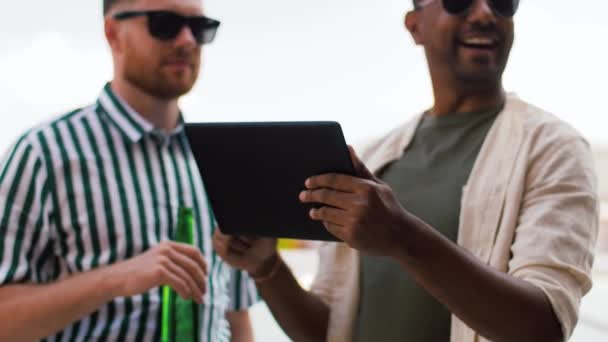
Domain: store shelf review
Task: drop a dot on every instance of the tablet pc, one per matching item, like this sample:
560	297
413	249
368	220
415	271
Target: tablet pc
254	171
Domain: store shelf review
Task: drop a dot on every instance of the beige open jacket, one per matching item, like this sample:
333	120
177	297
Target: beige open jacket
530	209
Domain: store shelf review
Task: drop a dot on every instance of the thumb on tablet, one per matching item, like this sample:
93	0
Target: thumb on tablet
360	168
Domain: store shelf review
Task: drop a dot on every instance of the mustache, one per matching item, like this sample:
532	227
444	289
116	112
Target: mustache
484	29
182	54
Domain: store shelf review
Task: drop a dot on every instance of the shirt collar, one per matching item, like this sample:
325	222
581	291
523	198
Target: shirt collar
127	120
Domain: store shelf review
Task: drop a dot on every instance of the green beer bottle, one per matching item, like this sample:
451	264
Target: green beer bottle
180	316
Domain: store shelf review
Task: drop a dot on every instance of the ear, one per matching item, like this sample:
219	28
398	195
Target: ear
412	24
111	32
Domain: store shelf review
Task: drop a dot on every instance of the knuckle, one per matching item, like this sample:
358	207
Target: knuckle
324	195
358	205
331	179
160	274
385	189
351	221
163	260
164	248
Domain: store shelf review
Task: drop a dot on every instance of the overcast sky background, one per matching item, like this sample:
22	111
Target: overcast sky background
345	60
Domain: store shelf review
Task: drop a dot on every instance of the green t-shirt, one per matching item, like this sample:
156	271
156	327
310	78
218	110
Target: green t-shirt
428	181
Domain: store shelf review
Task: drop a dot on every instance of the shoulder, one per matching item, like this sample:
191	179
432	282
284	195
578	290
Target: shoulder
553	147
539	125
38	139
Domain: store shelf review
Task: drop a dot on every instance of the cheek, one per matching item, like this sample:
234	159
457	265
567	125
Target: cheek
509	34
144	56
440	34
141	46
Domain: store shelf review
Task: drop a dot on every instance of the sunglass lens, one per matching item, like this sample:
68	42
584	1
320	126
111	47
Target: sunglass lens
165	26
204	29
456	7
505	8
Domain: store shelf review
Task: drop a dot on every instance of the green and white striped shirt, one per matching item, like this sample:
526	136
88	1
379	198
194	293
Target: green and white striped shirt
97	186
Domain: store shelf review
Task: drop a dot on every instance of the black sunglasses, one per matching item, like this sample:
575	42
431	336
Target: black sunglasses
166	25
503	8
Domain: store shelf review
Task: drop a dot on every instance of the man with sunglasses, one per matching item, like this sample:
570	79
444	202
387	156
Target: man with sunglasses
89	202
476	221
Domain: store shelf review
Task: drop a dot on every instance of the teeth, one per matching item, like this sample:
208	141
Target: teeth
479	41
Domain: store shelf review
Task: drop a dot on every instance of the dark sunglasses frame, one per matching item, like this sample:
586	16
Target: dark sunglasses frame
452	8
166	25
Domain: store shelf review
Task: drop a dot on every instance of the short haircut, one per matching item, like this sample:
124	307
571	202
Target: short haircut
108	4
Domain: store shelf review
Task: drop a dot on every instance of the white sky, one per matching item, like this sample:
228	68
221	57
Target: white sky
344	60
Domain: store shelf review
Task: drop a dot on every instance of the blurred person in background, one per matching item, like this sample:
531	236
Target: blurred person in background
89	200
475	221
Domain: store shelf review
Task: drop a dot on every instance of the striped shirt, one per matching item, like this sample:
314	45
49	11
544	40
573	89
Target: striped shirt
97	186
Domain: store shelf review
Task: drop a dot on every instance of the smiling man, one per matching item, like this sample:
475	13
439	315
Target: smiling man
475	221
89	202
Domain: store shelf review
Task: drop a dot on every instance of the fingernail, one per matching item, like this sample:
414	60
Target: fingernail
302	195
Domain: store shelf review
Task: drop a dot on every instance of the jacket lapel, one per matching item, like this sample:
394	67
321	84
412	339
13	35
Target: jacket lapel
483	202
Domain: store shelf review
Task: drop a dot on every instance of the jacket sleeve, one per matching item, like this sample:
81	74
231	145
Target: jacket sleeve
558	225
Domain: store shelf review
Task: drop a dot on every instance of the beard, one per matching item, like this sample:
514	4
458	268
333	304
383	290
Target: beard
157	78
481	72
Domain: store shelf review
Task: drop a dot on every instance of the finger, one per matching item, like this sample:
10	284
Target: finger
220	246
360	168
335	229
330	215
335	181
192	252
239	245
250	240
233	252
196	276
189	265
221	243
177	279
328	197
217	235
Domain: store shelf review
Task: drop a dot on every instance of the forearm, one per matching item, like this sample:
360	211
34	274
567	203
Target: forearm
240	326
498	306
31	312
301	314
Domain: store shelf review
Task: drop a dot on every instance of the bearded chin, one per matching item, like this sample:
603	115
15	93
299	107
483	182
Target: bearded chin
159	85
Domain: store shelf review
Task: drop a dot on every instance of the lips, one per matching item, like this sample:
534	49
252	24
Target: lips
479	41
178	62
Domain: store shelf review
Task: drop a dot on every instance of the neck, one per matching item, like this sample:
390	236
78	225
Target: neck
452	97
161	113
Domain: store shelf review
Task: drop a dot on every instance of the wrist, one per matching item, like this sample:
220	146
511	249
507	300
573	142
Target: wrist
267	268
410	240
111	282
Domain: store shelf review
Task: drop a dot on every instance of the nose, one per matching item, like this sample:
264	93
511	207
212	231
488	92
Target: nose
185	38
481	12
